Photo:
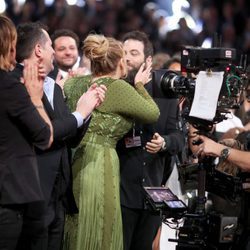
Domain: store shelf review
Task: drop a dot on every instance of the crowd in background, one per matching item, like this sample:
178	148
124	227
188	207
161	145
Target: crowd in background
189	22
169	25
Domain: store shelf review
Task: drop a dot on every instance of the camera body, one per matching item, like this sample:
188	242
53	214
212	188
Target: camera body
195	59
171	84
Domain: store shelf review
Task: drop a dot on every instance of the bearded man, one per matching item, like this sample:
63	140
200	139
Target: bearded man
145	152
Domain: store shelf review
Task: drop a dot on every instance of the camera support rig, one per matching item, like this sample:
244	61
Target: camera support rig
199	226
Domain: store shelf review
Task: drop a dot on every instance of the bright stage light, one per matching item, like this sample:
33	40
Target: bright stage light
2	6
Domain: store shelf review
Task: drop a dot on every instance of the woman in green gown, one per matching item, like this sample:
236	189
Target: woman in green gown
98	225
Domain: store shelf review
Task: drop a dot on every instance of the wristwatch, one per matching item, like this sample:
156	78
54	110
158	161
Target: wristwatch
224	153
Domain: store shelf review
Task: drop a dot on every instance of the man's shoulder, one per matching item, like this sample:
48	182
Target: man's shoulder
173	102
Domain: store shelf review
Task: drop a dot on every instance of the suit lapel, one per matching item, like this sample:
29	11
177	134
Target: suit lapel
48	107
148	87
59	103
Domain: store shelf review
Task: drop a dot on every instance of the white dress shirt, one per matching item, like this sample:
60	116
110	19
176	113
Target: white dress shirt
48	88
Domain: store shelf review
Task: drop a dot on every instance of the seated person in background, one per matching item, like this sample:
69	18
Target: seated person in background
173	63
159	59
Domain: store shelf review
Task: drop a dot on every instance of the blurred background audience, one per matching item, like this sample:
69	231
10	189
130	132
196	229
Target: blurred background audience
169	24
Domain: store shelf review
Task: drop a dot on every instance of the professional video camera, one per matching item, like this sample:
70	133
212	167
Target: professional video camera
198	67
170	84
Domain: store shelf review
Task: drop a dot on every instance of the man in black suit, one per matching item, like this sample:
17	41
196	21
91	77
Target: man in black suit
34	44
144	153
24	124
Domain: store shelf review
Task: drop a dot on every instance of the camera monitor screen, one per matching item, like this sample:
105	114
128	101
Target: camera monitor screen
160	194
175	204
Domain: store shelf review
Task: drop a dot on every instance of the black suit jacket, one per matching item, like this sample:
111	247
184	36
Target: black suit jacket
21	128
53	74
56	160
139	168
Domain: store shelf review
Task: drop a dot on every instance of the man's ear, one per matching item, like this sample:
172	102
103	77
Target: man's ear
149	59
38	50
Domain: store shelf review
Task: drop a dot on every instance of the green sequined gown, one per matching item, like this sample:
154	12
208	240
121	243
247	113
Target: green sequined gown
98	226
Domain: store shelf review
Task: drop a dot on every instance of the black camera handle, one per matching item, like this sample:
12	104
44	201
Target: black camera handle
201	197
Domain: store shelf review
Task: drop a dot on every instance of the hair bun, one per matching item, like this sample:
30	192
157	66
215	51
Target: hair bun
104	53
96	47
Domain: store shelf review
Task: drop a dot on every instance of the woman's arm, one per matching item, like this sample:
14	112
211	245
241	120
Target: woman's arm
133	102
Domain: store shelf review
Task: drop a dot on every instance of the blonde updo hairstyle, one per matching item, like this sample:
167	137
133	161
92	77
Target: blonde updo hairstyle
104	53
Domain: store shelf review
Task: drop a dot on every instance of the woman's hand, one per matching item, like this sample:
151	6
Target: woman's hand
144	73
32	80
91	99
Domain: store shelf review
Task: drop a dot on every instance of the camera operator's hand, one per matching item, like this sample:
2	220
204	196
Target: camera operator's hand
209	147
156	144
193	137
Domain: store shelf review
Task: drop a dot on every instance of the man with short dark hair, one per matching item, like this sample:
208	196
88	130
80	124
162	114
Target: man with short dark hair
34	44
144	153
66	44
